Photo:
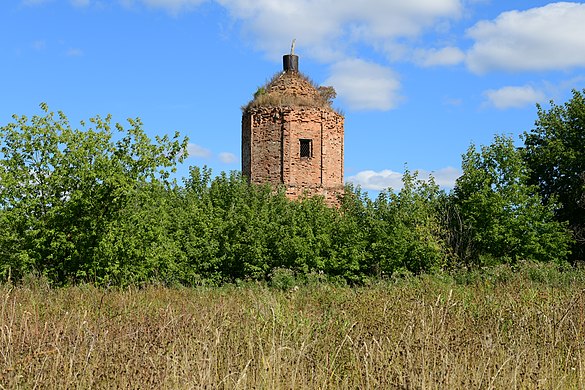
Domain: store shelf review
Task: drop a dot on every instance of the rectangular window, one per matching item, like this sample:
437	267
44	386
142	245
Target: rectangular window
306	148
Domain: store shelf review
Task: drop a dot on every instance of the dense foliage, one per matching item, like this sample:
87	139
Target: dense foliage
97	205
555	153
504	214
63	190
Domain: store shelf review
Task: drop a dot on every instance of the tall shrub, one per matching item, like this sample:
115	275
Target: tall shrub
61	188
503	211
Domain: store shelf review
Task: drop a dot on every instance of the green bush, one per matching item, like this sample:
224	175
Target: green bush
97	205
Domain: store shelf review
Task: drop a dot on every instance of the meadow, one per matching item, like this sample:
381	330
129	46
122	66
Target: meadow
496	328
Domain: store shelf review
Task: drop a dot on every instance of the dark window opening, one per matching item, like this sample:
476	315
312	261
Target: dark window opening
306	148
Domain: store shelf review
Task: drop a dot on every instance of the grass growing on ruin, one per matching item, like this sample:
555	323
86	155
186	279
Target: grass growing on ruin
263	97
499	328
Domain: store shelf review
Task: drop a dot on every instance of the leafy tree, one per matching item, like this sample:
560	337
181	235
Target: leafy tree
61	189
555	153
350	237
503	212
398	231
143	244
235	230
408	235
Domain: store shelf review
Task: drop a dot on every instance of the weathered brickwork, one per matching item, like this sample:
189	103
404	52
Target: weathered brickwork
292	112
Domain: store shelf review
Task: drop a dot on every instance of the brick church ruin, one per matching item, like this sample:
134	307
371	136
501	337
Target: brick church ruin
292	137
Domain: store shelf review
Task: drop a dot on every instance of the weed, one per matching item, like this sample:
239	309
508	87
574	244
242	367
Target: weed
429	331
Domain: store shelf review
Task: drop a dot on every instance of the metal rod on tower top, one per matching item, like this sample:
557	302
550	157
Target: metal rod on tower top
290	62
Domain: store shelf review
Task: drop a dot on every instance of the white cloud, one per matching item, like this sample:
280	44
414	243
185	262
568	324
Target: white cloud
444	177
270	25
436	57
195	150
227	158
365	85
514	97
545	38
382	180
330	31
327	29
198	151
378	181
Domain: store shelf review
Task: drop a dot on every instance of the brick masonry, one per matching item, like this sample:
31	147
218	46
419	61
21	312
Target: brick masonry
272	129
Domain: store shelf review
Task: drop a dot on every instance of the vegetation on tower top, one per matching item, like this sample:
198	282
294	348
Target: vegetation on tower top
292	89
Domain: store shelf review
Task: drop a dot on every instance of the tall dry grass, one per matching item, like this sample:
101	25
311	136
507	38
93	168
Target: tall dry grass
428	332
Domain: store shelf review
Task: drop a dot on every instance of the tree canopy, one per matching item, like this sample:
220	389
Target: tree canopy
99	204
503	211
555	154
62	188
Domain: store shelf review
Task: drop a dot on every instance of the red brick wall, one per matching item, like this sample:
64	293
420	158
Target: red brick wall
262	145
271	137
271	150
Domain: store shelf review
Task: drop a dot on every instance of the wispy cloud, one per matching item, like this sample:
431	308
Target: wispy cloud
444	177
81	3
39	45
328	29
198	151
513	97
385	179
327	32
546	38
451	101
332	32
34	2
74	52
439	57
227	158
173	7
550	37
365	85
195	150
378	181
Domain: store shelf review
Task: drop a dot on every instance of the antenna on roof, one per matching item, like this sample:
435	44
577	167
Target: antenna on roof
290	62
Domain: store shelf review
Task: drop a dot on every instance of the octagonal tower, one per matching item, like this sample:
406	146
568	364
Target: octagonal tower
291	136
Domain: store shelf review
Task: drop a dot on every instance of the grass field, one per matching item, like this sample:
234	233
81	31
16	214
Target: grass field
500	328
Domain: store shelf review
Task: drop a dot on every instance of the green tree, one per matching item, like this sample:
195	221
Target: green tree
61	188
236	230
408	234
396	232
555	153
503	212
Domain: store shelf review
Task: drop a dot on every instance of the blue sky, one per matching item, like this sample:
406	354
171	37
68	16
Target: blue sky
418	80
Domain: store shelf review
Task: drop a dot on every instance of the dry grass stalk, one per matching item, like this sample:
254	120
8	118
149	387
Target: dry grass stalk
424	333
270	95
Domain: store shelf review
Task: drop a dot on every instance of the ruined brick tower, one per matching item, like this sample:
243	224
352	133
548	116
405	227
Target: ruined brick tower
291	136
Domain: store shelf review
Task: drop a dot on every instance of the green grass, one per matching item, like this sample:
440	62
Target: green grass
497	328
